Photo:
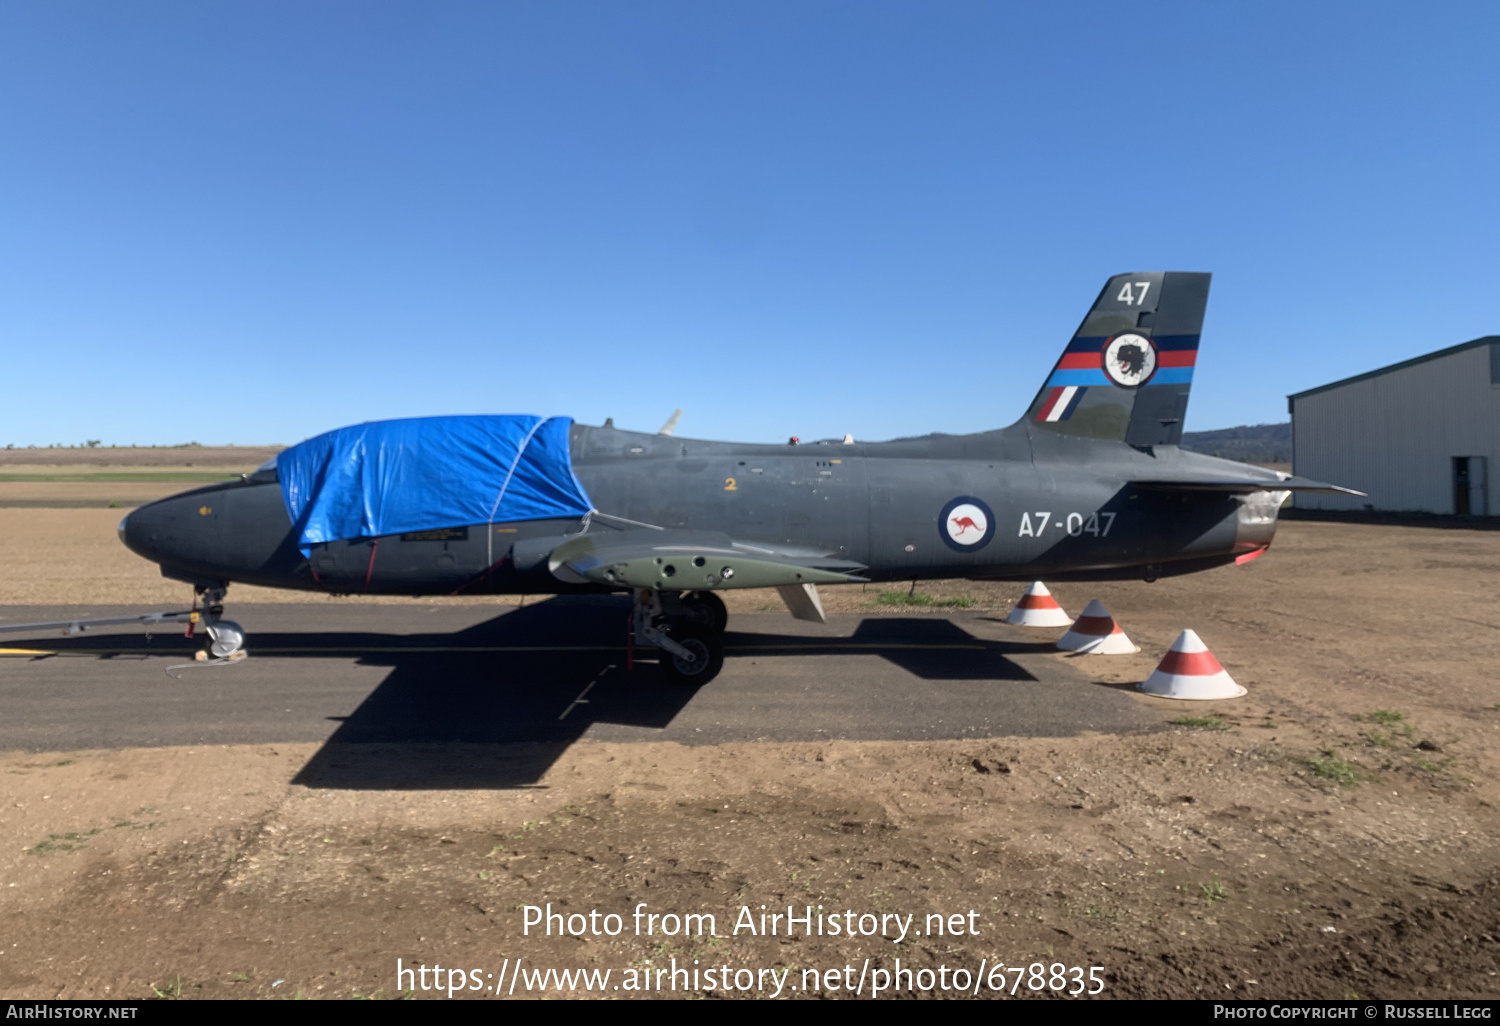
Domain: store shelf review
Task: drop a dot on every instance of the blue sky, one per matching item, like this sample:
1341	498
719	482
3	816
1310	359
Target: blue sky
252	222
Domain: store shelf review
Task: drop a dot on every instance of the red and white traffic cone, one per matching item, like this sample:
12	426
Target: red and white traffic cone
1038	608
1189	670
1096	633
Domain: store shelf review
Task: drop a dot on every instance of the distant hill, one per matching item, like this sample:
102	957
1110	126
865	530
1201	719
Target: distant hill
1255	443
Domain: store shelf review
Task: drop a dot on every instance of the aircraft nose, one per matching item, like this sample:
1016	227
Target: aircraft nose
184	530
130	533
137	532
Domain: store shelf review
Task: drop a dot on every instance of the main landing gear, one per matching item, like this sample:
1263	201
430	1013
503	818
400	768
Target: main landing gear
687	628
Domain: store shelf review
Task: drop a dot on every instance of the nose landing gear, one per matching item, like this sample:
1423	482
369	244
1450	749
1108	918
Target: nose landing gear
689	631
223	640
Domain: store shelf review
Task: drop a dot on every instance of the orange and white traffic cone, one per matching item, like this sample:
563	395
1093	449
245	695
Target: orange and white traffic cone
1189	670
1096	633
1038	608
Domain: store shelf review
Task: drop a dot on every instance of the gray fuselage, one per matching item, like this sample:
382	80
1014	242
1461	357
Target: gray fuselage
1059	507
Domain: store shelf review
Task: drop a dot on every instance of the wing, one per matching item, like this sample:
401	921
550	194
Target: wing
1287	483
683	560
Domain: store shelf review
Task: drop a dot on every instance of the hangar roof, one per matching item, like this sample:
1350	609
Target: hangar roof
1474	343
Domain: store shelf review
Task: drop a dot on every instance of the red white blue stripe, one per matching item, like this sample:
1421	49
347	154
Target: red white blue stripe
1060	403
1082	364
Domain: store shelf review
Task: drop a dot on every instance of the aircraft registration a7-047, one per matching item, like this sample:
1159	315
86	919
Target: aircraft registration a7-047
1089	485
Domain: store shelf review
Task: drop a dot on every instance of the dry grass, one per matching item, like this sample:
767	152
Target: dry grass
240	457
48	478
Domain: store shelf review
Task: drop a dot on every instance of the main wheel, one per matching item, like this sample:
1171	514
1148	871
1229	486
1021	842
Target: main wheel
707	610
707	648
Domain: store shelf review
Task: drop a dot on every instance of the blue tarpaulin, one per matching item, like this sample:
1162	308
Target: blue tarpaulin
395	476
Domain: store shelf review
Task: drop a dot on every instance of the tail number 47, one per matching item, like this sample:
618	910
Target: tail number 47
1076	524
1130	297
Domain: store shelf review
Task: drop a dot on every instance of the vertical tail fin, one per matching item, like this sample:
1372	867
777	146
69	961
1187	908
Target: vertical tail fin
1125	375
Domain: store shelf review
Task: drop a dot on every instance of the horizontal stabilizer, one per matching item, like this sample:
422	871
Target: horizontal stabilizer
1289	483
688	561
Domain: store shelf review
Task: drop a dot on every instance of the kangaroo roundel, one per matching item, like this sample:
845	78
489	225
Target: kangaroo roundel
966	524
1129	359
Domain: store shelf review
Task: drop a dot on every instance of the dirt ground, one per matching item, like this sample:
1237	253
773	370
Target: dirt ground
116	478
241	457
1332	834
65	487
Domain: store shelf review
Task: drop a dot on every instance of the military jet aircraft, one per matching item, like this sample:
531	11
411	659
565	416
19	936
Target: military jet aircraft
1089	484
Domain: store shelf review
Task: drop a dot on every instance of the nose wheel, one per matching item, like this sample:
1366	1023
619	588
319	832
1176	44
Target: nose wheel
225	638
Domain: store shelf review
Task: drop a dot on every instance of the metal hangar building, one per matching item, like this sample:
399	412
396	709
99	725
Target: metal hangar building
1422	435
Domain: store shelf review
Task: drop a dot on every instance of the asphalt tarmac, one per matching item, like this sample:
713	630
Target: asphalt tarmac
430	696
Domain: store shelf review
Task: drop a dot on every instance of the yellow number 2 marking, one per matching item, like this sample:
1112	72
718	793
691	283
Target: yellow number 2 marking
730	486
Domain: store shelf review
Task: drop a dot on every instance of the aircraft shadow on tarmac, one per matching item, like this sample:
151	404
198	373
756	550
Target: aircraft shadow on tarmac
495	705
500	719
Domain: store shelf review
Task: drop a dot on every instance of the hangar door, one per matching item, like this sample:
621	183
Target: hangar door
1470	487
